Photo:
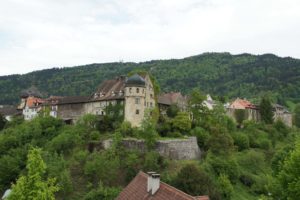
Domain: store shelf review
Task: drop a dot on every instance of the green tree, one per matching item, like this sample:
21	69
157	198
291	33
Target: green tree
172	111
148	132
289	176
266	110
196	106
193	180
182	122
103	193
225	186
33	186
297	115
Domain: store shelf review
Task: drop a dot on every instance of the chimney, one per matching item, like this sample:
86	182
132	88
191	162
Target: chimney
149	181
155	183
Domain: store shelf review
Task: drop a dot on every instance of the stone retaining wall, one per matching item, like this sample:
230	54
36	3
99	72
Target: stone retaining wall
177	149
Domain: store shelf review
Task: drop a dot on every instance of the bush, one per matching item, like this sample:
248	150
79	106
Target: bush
281	128
172	111
126	129
202	136
241	140
102	166
64	142
225	186
175	134
95	135
195	181
151	162
103	193
182	122
228	166
265	144
220	142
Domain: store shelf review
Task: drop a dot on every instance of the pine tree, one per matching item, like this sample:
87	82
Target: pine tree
32	186
266	110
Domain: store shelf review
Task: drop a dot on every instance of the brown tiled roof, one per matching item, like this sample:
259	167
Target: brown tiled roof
137	190
52	100
73	100
170	98
110	90
9	110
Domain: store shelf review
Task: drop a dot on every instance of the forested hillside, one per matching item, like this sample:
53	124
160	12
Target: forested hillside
221	74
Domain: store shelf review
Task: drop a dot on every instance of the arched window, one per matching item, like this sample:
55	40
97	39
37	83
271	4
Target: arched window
137	90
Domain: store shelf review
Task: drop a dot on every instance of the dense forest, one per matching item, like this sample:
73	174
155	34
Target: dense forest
220	74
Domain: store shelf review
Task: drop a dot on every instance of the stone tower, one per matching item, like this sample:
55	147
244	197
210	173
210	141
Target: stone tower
135	100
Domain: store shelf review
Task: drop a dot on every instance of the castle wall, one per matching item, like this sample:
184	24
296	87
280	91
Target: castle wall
177	149
71	111
251	114
286	118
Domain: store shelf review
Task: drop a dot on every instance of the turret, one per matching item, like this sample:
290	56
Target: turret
135	100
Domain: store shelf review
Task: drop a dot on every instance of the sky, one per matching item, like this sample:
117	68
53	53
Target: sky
40	34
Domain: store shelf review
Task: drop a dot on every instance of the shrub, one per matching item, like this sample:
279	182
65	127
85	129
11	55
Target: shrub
172	111
64	142
202	136
228	166
151	162
126	129
103	193
175	134
195	181
95	135
102	166
220	142
225	186
265	144
241	140
182	122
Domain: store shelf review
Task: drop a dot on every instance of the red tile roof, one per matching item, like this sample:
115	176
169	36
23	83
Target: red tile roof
137	190
242	104
32	102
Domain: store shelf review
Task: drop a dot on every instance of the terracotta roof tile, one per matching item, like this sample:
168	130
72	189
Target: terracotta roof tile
32	102
137	190
242	104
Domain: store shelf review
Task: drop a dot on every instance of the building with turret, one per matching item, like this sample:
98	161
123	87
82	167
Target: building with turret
135	94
